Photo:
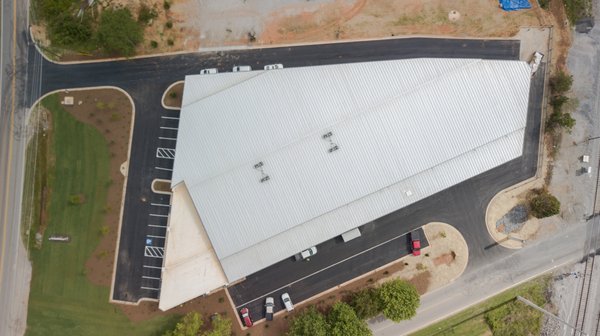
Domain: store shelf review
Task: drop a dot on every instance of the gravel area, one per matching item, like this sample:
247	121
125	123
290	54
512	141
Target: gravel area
513	220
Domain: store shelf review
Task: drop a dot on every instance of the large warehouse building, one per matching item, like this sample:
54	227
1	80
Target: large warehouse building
269	163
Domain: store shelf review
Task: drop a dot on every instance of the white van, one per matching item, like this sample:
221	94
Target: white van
241	68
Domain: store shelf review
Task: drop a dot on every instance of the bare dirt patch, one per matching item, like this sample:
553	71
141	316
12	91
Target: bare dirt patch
444	259
174	96
109	111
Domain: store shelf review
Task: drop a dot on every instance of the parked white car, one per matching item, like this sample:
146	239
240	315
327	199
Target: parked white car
209	71
308	252
287	302
241	68
273	66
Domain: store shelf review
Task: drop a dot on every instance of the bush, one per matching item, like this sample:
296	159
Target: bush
366	303
154	44
51	9
169	24
560	83
146	14
77	199
118	32
170	42
545	4
577	9
167	4
173	94
557	102
544	204
399	300
558	118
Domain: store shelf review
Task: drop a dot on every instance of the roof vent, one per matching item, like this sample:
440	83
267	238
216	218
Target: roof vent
265	179
332	146
327	135
259	167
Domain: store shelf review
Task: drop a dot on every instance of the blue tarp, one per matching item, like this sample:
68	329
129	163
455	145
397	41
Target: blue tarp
511	5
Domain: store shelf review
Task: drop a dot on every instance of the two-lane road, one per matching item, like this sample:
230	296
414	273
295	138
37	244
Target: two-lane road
15	269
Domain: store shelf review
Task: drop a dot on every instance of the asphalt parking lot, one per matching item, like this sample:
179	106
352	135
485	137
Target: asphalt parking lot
145	79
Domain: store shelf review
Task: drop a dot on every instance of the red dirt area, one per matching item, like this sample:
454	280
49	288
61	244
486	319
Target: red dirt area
444	259
421	281
109	111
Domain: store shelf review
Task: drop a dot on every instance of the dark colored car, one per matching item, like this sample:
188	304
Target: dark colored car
415	243
245	313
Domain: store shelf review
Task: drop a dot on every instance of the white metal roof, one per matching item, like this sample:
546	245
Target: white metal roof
405	127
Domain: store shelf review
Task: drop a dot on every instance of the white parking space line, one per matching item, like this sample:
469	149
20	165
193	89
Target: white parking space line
151	236
155	267
321	270
174	118
169	128
159	204
150	288
155	215
164	138
160	168
157	226
149	256
149	277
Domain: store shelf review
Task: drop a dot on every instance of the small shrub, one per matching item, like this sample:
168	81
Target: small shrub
221	299
386	272
427	254
115	117
560	83
104	230
557	102
173	94
169	25
154	44
421	267
544	204
100	105
170	42
167	4
76	199
443	234
545	4
146	14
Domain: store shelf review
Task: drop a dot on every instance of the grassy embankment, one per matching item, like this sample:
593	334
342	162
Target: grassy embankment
73	159
501	314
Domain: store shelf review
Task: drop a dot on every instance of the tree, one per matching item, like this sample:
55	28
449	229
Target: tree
189	325
544	204
366	303
220	327
118	32
310	322
344	322
68	31
51	9
561	82
399	300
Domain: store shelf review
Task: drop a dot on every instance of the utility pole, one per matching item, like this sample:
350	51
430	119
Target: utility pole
549	314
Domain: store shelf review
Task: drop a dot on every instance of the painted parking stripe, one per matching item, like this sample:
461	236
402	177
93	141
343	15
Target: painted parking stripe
151	236
149	277
157	226
160	204
165	153
155	267
165	138
161	168
155	215
169	128
173	118
150	288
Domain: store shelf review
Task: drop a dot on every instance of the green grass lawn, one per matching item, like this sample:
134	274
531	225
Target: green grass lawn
509	316
62	301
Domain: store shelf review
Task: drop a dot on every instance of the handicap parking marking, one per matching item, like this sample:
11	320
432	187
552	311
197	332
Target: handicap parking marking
165	153
148	241
154	251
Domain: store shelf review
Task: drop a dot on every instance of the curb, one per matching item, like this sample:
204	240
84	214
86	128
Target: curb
162	100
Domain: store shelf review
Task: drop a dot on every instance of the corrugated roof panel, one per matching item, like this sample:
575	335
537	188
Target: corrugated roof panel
394	122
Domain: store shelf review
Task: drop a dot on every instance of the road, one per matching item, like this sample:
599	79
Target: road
15	269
